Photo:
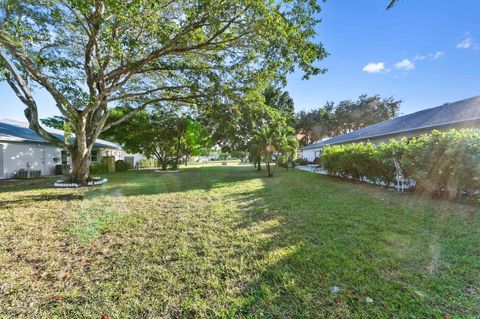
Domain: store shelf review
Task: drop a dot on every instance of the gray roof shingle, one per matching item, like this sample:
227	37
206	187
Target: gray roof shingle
16	131
444	115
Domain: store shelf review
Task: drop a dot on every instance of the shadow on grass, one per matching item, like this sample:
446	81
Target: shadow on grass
23	200
205	178
272	248
15	185
382	252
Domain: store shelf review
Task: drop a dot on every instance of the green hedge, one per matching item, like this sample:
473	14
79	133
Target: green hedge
440	162
98	168
120	166
148	163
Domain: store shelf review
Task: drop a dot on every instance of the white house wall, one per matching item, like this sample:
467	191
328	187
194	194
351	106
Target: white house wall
310	154
119	155
26	156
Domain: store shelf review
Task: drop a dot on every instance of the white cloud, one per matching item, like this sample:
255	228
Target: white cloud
405	64
436	55
466	43
431	56
374	67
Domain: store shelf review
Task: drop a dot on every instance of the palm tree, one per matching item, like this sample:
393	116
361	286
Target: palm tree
287	144
268	141
265	140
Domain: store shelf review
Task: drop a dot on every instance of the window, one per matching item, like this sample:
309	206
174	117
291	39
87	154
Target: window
94	156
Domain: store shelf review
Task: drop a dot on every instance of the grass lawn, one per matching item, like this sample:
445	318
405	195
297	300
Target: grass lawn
229	242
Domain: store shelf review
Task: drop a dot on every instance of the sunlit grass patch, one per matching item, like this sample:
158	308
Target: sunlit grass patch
229	242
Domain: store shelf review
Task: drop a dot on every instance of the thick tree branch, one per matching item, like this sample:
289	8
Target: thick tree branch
31	112
185	99
62	103
140	94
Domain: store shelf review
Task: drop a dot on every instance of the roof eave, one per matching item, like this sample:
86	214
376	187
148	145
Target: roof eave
322	144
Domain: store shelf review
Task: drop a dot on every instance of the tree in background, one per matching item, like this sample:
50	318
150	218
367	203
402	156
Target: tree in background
332	120
92	56
269	142
165	134
280	100
233	131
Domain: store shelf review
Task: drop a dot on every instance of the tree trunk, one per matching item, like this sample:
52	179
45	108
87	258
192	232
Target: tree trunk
177	155
259	165
80	166
164	165
80	156
269	169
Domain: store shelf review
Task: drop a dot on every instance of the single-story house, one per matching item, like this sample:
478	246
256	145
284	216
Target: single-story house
22	148
460	114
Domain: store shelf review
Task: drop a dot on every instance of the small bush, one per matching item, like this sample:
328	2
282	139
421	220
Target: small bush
300	161
121	166
98	168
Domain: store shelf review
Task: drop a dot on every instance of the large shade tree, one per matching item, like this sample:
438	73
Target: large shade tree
92	55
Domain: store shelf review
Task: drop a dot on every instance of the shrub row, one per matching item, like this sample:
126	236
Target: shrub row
440	163
148	163
120	166
98	168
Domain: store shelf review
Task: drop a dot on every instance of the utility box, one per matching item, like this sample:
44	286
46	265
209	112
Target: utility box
24	174
110	160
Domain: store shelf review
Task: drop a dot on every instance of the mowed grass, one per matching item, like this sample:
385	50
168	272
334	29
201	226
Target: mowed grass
227	242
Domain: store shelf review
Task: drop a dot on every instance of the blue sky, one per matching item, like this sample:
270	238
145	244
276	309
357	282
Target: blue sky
430	50
423	52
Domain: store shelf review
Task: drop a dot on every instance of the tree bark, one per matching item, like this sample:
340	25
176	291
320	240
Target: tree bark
269	169
177	155
80	153
80	166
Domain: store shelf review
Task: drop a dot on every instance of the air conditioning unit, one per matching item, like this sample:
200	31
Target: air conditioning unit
24	174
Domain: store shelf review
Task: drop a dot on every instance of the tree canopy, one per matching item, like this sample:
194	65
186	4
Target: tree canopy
346	116
269	142
94	55
166	134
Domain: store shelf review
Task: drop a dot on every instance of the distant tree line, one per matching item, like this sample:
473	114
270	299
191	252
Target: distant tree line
344	117
268	133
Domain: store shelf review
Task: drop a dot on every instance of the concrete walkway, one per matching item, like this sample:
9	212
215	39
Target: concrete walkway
310	168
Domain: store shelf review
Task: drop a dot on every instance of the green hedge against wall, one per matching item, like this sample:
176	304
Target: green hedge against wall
440	163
